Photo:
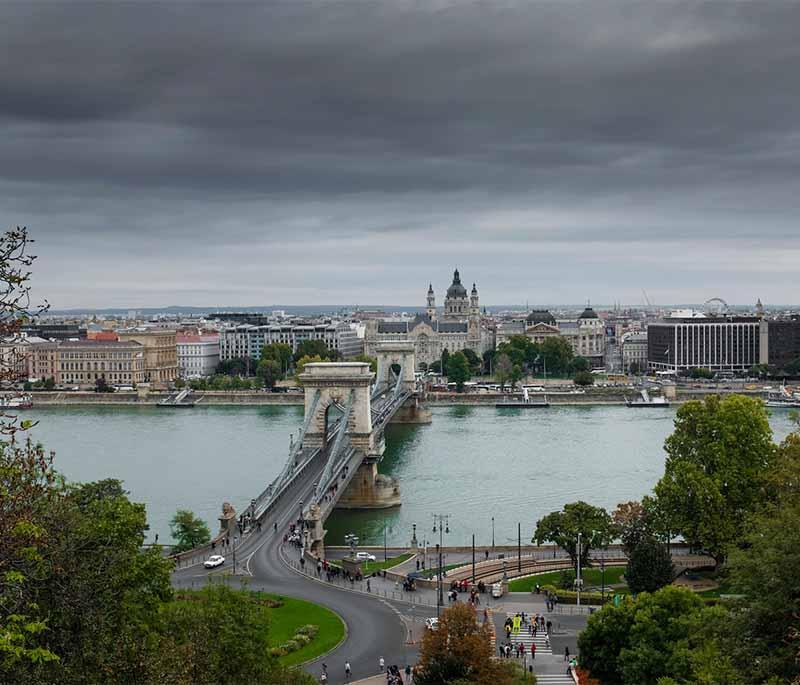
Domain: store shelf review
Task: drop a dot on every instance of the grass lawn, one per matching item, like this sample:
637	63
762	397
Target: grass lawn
379	564
431	572
285	620
591	577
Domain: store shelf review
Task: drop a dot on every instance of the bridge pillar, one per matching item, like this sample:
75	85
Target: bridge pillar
399	352
335	380
369	489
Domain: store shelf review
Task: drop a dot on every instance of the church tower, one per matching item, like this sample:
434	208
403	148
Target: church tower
456	301
431	311
474	304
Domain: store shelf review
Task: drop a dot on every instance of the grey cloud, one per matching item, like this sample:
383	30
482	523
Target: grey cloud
134	129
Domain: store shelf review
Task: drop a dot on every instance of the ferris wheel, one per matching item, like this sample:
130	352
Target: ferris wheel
715	306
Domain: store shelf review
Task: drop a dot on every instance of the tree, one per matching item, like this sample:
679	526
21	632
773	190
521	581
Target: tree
474	360
718	461
649	566
580	364
557	353
488	361
280	353
635	368
562	528
699	372
102	386
300	367
269	371
460	651
435	366
503	370
583	378
373	363
49	383
188	531
516	375
764	570
643	639
240	366
312	348
458	370
445	359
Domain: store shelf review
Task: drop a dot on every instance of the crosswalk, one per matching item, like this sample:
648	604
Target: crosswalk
541	640
554	679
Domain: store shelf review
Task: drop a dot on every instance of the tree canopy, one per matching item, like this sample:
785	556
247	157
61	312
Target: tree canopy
188	530
718	461
458	370
562	528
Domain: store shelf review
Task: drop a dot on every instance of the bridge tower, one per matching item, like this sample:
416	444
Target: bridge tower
335	381
398	353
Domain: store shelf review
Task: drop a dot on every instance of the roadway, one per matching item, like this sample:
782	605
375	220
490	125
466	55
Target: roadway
374	627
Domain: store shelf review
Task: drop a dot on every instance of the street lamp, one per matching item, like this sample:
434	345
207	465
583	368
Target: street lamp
442	522
602	579
578	579
492	534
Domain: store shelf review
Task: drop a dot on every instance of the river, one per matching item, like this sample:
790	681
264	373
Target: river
471	462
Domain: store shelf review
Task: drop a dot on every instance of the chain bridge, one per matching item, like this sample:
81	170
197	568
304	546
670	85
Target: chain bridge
341	442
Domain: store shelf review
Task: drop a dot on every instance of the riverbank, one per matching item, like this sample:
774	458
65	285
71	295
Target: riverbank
589	396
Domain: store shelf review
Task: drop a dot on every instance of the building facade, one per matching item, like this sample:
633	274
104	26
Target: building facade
634	351
161	353
198	355
84	362
717	343
246	340
460	327
780	341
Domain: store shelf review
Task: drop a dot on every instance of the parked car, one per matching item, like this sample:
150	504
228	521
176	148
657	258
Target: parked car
365	556
431	623
213	561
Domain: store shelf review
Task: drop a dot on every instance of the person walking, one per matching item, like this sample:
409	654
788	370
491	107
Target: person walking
566	653
533	651
347	670
381	662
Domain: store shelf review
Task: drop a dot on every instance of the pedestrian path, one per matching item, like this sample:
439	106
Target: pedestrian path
554	679
541	640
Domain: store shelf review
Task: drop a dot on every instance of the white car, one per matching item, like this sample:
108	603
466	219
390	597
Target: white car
431	623
214	561
365	556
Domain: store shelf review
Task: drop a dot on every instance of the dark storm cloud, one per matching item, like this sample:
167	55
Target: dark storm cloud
186	137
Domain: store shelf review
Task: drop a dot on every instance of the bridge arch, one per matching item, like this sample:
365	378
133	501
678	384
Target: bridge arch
400	353
329	384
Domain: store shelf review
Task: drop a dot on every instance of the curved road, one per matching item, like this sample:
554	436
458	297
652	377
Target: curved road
374	627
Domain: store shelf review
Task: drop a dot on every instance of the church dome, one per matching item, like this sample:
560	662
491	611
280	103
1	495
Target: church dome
588	313
456	290
541	316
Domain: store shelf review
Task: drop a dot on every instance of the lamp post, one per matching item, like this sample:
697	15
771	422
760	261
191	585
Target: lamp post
492	534
578	579
519	547
602	579
442	522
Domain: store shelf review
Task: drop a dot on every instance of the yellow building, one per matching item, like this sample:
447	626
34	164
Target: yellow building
160	353
83	362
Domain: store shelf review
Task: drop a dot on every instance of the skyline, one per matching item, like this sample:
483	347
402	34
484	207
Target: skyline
312	153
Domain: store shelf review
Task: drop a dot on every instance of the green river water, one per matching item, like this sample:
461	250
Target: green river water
473	463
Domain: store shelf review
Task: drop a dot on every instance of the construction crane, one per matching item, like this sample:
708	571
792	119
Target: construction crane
646	299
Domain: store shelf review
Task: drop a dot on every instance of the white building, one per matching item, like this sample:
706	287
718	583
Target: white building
198	355
634	350
246	340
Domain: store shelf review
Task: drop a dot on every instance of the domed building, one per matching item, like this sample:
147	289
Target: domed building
459	328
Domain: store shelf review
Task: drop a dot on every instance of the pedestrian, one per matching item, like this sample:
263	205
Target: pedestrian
486	553
381	662
533	651
369	589
549	627
566	653
408	674
347	670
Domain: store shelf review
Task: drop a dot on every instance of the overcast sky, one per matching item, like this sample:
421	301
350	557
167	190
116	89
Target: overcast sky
351	152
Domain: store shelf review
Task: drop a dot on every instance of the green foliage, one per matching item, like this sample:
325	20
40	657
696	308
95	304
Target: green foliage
475	362
458	370
300	367
583	378
444	360
188	530
699	372
580	364
503	369
241	366
642	639
269	371
102	386
516	375
765	570
649	566
718	461
314	348
562	528
435	366
224	383
279	353
373	363
557	353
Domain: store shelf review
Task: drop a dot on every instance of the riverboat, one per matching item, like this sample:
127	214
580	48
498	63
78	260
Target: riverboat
525	403
16	402
178	400
645	399
782	399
